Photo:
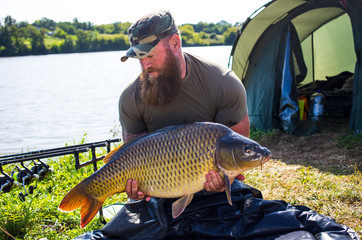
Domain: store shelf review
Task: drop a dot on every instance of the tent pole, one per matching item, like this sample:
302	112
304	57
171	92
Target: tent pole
312	43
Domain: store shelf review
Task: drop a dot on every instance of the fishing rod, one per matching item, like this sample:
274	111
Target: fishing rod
24	176
55	152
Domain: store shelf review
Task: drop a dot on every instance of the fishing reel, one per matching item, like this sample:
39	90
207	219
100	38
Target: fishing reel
6	182
24	176
41	169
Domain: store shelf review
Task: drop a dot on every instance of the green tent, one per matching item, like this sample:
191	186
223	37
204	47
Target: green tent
287	44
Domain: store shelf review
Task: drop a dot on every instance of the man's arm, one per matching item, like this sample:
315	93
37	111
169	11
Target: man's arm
129	136
243	127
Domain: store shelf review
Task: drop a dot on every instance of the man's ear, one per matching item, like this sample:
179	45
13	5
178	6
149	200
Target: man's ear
175	42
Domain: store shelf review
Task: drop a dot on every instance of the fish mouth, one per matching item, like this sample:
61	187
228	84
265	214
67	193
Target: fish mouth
259	154
266	159
256	156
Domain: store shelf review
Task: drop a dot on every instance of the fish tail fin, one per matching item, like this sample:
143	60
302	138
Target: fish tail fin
89	210
78	198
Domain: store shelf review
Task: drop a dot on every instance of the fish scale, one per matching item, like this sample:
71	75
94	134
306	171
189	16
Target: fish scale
169	163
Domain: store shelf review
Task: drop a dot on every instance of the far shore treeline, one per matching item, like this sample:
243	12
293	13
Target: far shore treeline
46	36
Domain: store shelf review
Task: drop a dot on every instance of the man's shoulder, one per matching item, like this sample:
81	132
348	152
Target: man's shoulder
213	73
132	89
206	64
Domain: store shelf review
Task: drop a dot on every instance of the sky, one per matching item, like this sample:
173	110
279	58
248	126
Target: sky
110	11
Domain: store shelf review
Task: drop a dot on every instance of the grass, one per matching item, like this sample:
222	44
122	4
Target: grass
38	216
321	171
110	36
328	193
49	42
336	196
351	141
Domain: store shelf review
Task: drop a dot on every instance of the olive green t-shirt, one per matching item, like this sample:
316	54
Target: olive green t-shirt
208	93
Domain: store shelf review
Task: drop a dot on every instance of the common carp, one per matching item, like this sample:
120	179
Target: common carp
169	163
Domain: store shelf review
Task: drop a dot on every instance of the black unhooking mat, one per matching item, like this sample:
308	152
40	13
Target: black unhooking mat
209	216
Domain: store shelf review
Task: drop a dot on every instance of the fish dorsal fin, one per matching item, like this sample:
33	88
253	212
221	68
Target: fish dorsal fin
110	155
180	204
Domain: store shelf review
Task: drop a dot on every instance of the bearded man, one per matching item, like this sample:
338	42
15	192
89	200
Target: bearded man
176	88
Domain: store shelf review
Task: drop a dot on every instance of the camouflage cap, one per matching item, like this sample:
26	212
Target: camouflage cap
147	32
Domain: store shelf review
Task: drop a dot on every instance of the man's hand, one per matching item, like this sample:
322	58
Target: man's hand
133	192
214	182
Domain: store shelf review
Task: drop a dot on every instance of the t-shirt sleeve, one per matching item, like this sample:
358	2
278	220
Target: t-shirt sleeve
129	113
231	101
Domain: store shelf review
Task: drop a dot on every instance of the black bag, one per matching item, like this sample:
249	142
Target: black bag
209	216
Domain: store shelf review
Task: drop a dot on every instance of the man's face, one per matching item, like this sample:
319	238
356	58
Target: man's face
161	75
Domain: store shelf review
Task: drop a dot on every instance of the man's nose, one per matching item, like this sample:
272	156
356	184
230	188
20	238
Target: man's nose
145	63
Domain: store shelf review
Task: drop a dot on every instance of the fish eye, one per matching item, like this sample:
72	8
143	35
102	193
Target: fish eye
247	149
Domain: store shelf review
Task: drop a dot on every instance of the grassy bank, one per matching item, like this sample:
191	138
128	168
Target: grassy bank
334	191
336	196
38	216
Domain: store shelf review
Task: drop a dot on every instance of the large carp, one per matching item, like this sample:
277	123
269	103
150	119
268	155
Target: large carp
168	163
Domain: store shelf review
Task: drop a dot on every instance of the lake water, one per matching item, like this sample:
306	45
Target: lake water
48	101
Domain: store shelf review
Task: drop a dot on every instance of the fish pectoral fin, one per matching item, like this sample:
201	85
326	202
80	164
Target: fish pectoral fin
180	204
228	189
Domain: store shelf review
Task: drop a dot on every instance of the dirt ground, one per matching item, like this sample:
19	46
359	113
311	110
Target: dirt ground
322	150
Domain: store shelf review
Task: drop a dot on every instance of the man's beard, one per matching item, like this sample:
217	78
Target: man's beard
163	89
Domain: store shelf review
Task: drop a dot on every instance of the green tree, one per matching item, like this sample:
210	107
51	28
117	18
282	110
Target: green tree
100	28
84	26
84	40
116	28
71	30
55	49
120	43
125	27
7	47
230	35
22	24
60	33
45	23
19	34
222	26
9	21
23	38
200	26
204	35
187	33
67	46
67	27
36	40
